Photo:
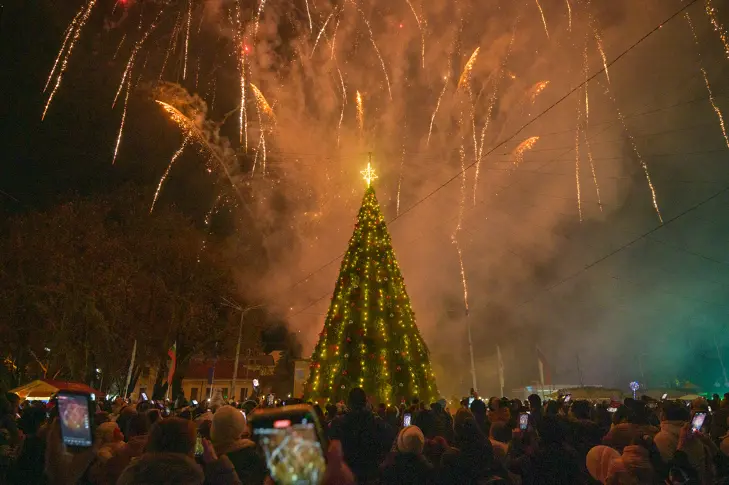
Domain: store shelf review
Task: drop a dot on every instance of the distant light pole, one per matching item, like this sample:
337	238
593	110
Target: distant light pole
243	312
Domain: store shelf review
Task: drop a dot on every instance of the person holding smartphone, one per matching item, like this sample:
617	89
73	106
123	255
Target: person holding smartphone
228	435
674	418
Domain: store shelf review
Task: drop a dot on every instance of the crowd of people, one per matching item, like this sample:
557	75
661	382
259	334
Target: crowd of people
638	441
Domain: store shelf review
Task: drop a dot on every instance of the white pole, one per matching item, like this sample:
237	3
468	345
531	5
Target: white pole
131	367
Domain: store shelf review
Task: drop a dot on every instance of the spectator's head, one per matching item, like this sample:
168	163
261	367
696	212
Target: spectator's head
410	440
436	407
478	407
551	431
155	468
391	415
331	410
13	401
500	432
32	419
107	433
172	435
699	404
535	403
599	459
138	425
425	420
153	415
674	411
203	429
101	417
551	408
639	412
494	403
580	409
443	403
229	424
621	415
357	399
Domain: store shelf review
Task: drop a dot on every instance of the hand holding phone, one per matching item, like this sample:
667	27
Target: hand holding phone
407	419
697	422
76	418
523	421
567	398
293	444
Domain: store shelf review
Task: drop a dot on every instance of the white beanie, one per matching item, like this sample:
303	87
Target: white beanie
410	440
228	425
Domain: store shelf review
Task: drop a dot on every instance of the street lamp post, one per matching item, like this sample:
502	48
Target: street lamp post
243	312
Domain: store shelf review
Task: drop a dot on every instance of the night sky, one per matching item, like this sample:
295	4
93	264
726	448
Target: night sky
604	281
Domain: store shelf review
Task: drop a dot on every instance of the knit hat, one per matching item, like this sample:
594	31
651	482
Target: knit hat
598	461
108	432
410	440
228	425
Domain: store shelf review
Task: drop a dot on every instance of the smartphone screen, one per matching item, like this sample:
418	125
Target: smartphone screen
292	448
523	421
73	412
407	419
198	446
568	398
664	397
144	396
612	410
470	401
698	421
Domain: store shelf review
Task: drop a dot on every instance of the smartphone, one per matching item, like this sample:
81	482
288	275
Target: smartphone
470	401
698	421
198	446
193	402
567	398
144	396
292	442
76	417
407	419
664	397
523	421
612	410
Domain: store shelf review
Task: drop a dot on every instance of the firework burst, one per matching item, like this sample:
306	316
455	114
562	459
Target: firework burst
524	147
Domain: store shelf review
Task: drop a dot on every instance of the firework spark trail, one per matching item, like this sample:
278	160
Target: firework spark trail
262	103
171	46
261	6
600	48
454	236
167	172
569	14
70	30
466	74
123	119
489	111
344	103
336	28
121	43
718	27
189	129
187	38
544	20
537	89
592	168
577	160
399	181
242	113
422	32
377	51
634	146
712	100
435	112
308	13
360	114
320	34
523	147
132	58
76	26
208	219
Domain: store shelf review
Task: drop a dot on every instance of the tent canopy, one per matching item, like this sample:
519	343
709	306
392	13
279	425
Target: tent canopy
43	389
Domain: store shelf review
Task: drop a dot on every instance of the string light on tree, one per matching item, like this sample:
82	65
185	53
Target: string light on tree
370	339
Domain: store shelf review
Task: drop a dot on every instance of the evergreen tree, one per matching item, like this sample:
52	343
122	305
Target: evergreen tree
370	339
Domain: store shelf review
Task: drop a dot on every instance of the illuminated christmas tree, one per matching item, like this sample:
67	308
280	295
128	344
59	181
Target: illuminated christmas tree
370	339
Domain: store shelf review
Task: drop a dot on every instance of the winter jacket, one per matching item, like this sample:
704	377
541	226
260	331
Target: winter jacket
405	469
248	462
366	440
109	472
632	468
623	434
